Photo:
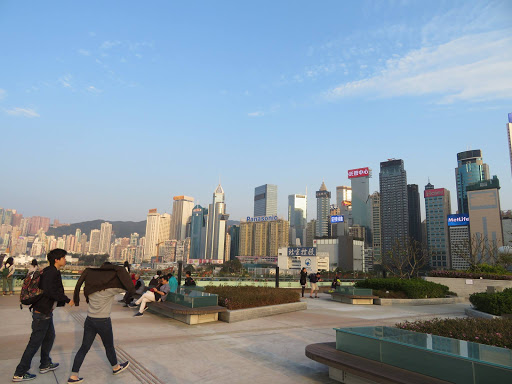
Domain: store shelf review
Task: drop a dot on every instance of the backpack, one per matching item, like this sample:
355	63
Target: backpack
30	291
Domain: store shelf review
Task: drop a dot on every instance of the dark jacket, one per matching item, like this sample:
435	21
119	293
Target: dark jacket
98	279
313	278
53	291
189	282
303	277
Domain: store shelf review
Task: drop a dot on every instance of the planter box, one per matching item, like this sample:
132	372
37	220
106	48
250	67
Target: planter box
465	287
447	300
231	316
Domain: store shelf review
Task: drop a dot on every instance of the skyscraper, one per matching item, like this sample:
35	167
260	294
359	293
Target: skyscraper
485	217
94	241
265	200
216	226
323	204
509	133
361	204
413	200
437	209
458	229
157	232
470	169
297	210
105	236
394	213
376	229
234	232
344	202
198	232
181	211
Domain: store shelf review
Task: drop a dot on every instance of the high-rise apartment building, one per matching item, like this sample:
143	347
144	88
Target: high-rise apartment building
265	200
413	200
105	236
198	232
437	209
246	239
297	217
157	232
323	205
37	223
216	226
234	233
310	233
361	205
485	216
343	193
375	226
509	133
134	239
470	169
263	238
394	213
94	241
181	211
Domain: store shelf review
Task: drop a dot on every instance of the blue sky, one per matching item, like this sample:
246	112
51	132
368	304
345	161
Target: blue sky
108	109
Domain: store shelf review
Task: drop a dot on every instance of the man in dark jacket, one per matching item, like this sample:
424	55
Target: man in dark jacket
303	279
101	286
43	331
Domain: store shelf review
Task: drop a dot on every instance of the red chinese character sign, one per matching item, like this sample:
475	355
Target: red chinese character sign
359	172
434	192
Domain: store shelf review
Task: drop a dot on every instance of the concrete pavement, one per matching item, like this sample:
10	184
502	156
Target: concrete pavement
162	350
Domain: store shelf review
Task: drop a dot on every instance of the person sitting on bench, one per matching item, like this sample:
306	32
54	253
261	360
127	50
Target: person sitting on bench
139	290
153	295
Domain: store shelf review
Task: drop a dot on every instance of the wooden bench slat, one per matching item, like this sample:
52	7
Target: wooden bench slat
181	309
326	353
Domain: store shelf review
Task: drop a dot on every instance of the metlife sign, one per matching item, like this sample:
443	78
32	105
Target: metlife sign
458	220
337	219
302	251
261	218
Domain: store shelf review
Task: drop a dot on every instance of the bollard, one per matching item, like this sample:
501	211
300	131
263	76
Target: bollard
180	266
277	277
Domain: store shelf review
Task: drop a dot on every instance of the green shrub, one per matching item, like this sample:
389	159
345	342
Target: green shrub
413	288
496	332
498	303
486	268
240	297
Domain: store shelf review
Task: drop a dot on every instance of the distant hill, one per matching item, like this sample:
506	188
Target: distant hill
120	228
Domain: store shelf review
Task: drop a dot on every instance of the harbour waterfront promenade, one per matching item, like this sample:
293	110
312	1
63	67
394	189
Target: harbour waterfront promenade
161	350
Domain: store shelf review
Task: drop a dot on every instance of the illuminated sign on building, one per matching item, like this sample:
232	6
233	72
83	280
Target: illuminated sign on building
337	219
434	192
458	220
359	172
302	251
323	194
261	218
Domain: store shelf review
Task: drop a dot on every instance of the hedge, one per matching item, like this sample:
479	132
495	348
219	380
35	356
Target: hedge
244	296
469	275
413	288
496	332
498	303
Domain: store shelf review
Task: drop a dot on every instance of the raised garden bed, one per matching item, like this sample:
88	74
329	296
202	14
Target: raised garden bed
411	288
497	303
242	297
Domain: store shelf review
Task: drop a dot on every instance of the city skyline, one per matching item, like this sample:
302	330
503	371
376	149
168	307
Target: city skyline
102	121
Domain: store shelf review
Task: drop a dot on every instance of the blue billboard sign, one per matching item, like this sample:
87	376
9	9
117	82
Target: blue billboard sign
458	220
337	219
302	251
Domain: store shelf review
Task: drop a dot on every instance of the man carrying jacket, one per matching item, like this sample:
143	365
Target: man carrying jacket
43	331
101	286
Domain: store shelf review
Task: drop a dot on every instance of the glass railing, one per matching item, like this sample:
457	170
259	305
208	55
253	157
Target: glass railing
192	298
453	360
350	290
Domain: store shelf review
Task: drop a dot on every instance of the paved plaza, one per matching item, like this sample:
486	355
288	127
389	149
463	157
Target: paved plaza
161	350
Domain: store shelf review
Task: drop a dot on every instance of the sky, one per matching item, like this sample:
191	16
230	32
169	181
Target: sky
111	108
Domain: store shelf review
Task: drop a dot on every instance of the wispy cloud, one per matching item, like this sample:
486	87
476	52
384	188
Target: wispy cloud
24	112
256	114
2	94
93	89
471	68
65	81
84	52
108	44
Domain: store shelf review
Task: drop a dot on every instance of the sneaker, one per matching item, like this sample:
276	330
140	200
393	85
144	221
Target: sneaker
120	301
138	314
48	368
131	305
75	381
26	377
126	306
122	366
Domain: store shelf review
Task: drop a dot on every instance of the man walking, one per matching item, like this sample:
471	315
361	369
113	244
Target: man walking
101	286
43	331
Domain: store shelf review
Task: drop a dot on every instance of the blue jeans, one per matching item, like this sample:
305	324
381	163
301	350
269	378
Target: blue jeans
92	327
43	335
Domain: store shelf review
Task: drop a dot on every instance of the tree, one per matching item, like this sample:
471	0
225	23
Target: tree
406	258
232	266
476	250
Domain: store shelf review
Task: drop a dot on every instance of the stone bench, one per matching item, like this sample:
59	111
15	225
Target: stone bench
353	299
349	368
186	315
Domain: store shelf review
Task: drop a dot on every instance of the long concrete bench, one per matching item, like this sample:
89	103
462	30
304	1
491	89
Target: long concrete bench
353	299
348	368
187	315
